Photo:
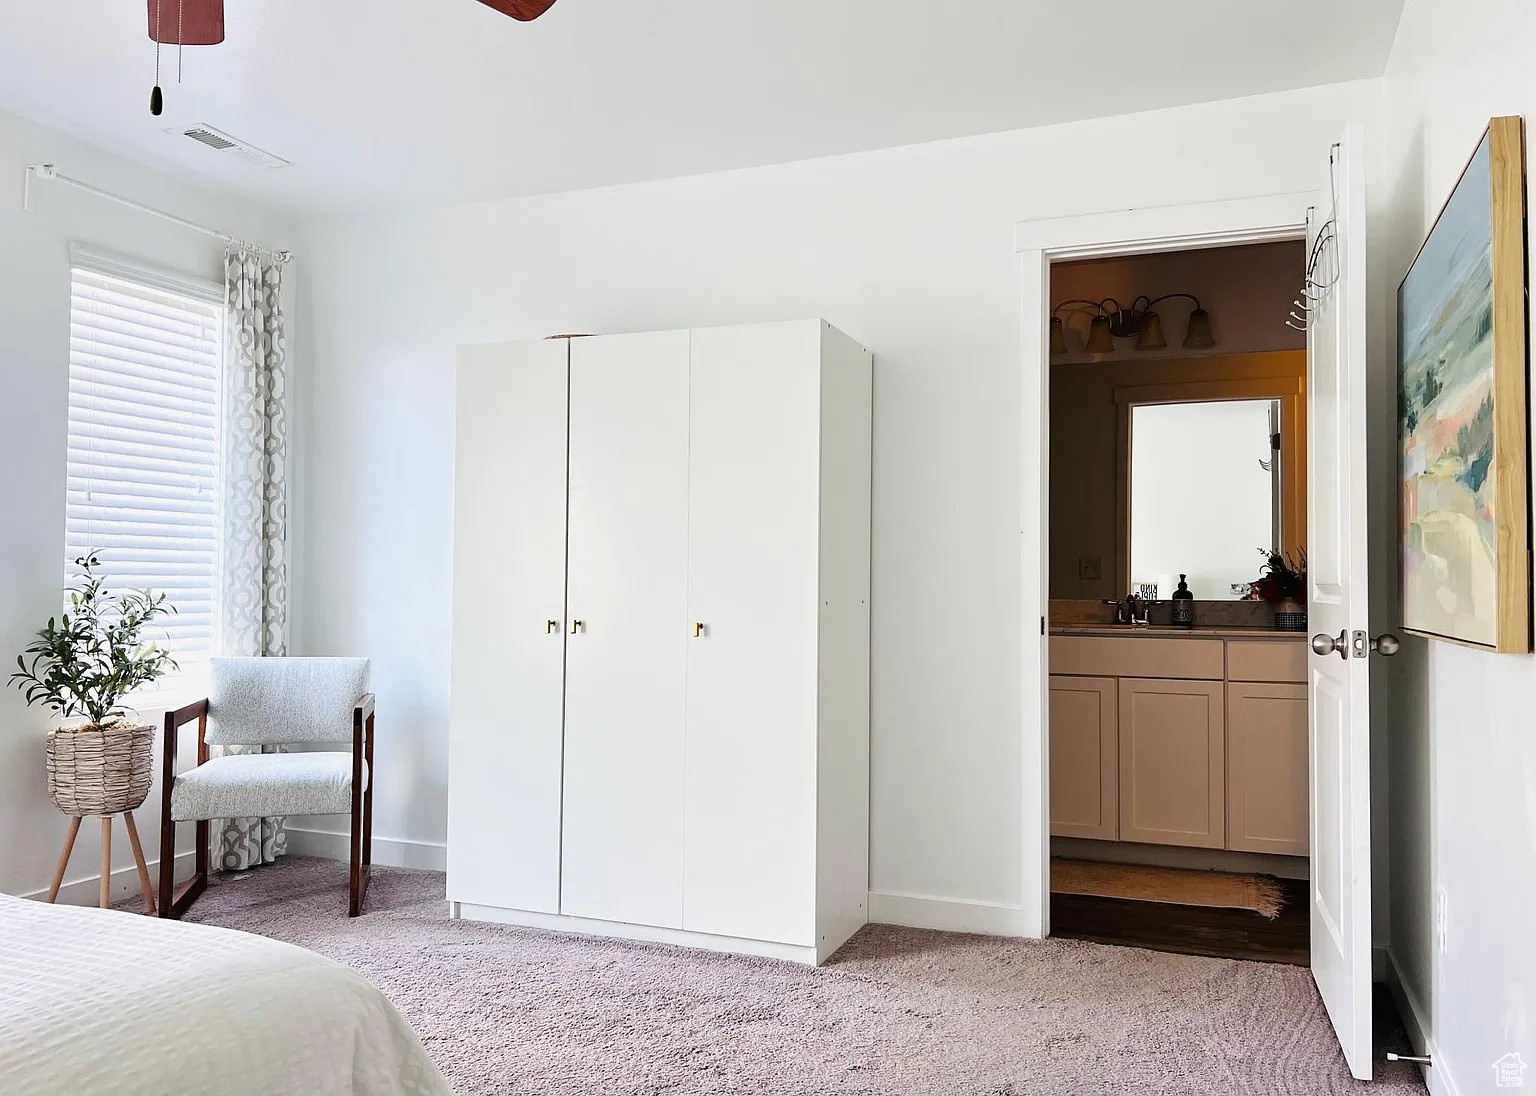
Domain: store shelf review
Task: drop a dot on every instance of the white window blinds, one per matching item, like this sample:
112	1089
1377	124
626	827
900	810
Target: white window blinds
144	362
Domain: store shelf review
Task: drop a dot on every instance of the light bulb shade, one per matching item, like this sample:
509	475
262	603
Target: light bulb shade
1099	341
1199	336
1058	336
1151	337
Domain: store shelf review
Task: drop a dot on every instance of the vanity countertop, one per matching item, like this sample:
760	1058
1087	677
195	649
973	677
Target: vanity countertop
1168	631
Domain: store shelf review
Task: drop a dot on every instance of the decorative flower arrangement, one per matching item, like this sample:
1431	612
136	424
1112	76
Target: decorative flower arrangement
1282	579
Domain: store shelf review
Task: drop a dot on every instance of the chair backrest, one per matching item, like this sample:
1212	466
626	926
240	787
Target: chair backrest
276	701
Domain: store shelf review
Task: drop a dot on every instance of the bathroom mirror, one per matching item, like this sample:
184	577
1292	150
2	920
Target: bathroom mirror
1208	482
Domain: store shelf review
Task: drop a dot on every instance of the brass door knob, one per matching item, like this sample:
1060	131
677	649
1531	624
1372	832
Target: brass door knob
1328	645
1386	644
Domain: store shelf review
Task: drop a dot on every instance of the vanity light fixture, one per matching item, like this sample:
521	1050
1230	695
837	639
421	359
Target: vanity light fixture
1139	320
1099	341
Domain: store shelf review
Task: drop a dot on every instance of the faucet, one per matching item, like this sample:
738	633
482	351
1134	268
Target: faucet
1132	610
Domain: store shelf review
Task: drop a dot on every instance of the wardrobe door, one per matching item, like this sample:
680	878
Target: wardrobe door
750	792
508	627
623	827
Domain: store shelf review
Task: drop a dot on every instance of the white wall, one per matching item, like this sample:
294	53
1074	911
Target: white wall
1463	750
909	250
34	377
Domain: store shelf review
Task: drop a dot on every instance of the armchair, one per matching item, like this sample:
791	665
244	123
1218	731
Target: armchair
271	702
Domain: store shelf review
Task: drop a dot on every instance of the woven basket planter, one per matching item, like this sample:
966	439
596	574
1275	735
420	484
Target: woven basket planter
100	770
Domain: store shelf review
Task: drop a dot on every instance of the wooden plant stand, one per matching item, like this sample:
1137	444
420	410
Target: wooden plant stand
106	860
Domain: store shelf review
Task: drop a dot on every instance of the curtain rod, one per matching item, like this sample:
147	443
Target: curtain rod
48	171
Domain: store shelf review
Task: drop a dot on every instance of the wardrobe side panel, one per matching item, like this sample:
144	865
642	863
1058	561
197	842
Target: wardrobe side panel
847	422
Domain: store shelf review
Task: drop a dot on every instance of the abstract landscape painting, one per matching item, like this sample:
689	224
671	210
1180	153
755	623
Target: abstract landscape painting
1463	408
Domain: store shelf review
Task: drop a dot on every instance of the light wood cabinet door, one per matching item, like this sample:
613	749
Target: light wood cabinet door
1267	768
1173	762
1085	788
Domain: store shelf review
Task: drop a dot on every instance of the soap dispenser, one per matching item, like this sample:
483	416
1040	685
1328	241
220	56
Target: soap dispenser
1183	605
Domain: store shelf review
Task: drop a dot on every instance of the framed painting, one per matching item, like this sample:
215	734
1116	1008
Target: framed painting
1463	410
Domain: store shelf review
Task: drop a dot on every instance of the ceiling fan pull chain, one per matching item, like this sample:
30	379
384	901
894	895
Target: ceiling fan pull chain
156	99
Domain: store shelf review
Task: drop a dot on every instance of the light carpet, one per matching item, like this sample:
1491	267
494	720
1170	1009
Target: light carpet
1178	886
898	1012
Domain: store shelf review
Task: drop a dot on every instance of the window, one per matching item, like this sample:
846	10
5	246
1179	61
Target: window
145	352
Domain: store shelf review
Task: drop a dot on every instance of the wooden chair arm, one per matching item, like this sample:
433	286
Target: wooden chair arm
174	721
182	716
364	710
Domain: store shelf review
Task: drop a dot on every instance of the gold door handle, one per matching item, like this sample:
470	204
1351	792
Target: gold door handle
578	626
698	628
552	627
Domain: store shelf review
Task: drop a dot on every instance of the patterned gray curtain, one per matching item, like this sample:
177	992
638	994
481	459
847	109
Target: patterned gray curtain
253	611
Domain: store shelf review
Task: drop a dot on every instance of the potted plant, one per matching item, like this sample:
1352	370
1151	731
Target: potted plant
1282	582
82	665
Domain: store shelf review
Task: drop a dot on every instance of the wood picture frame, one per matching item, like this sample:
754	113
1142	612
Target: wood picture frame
1463	410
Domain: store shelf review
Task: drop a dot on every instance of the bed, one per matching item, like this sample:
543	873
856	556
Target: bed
98	1001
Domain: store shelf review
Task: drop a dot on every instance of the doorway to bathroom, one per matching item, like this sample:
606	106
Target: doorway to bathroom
1177	697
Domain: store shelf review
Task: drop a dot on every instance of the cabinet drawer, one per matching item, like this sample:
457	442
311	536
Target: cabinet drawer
1277	660
1137	656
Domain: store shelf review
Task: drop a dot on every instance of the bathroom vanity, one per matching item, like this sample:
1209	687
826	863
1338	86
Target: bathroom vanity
1184	737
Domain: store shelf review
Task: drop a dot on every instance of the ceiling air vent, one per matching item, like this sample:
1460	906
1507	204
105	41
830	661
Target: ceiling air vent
226	145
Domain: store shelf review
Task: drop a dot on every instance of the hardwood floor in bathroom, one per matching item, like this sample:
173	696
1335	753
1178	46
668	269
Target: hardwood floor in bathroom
1189	930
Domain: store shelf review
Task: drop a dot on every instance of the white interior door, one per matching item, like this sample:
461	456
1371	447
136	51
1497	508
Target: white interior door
508	664
750	802
628	600
1339	694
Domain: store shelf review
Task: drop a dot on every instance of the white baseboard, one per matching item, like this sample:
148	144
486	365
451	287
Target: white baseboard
86	890
921	911
388	852
1415	1019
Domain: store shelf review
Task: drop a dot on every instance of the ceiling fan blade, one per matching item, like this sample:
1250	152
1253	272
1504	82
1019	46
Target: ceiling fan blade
188	22
523	10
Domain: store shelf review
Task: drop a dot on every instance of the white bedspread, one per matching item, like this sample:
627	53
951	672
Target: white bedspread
97	1001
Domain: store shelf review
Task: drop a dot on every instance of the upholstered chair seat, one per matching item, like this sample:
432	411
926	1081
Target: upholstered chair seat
251	785
262	706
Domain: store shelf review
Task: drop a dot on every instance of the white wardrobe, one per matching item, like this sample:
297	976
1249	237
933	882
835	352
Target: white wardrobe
660	706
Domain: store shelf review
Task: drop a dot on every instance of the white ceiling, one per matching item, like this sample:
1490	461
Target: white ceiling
409	102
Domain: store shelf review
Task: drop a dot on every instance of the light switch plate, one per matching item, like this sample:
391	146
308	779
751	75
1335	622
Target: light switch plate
1090	568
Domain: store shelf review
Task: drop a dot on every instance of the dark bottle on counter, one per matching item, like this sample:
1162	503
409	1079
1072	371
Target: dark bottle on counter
1183	605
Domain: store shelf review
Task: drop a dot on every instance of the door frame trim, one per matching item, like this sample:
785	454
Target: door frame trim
1120	232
